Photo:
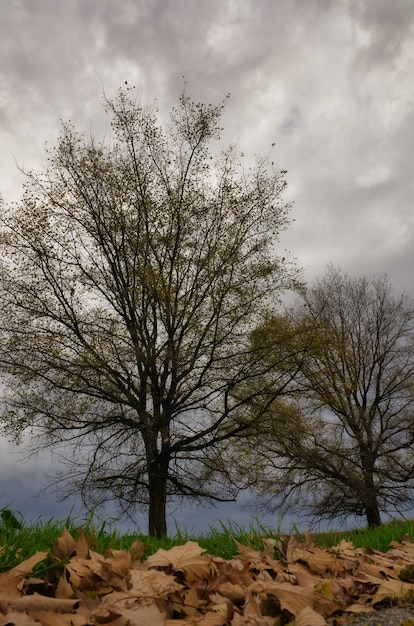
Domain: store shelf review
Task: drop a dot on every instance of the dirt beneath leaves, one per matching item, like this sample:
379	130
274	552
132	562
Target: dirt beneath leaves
388	617
285	583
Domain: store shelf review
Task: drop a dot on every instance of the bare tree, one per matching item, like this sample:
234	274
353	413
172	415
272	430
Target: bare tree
344	446
132	274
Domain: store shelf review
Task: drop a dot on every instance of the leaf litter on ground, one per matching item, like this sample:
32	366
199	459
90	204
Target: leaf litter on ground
287	582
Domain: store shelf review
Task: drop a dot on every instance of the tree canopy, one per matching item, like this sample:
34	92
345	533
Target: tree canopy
132	274
344	445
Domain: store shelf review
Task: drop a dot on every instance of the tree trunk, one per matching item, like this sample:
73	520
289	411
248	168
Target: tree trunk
157	520
373	515
371	507
157	478
370	499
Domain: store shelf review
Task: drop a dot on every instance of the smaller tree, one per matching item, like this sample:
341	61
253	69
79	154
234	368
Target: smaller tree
344	445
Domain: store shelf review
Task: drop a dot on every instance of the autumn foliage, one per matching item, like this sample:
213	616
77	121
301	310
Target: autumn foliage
286	582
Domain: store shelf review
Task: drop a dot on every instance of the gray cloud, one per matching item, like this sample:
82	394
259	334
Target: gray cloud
330	83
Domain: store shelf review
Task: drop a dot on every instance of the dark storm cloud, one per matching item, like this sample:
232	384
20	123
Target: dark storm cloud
386	27
329	83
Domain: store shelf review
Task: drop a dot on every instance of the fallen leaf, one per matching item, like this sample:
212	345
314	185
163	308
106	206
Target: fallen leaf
185	586
303	576
251	620
108	616
391	589
251	606
254	558
26	567
64	589
235	593
326	606
15	618
292	598
188	558
36	602
319	561
82	547
65	546
359	609
191	605
309	617
8	586
137	550
217	617
141	616
49	618
287	547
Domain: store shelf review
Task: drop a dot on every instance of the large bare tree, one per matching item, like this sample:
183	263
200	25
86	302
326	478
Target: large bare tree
345	445
133	271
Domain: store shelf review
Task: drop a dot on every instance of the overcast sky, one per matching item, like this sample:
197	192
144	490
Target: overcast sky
330	82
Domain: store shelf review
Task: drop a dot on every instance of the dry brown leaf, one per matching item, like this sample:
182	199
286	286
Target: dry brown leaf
292	598
8	586
384	561
270	546
319	561
367	582
188	558
303	576
326	606
36	602
191	604
137	550
141	616
115	580
309	617
359	609
33	584
255	559
406	544
108	616
217	617
65	546
15	618
159	584
343	590
82	547
77	619
309	581
347	548
26	567
391	589
146	586
236	593
120	561
83	574
97	573
252	620
374	570
64	589
251	607
288	547
49	618
234	571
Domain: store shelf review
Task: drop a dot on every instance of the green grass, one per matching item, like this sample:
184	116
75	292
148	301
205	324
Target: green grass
19	541
378	538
